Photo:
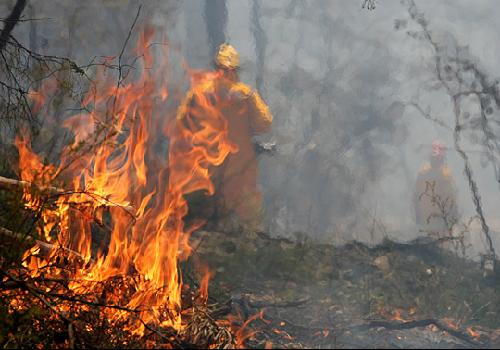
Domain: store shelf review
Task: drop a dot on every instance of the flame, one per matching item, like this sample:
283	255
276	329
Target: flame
450	323
39	97
287	336
323	333
207	275
474	334
121	178
241	328
397	315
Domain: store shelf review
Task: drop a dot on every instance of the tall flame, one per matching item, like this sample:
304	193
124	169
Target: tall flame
148	236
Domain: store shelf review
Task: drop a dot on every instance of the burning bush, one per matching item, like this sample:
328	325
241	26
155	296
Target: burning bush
103	179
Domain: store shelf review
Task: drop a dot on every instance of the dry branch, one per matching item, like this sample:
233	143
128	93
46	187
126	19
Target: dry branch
43	245
12	184
449	71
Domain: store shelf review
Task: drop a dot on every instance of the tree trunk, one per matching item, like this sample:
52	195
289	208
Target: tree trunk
260	39
11	22
216	20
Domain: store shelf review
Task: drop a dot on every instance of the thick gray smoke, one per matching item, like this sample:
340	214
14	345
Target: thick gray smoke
338	80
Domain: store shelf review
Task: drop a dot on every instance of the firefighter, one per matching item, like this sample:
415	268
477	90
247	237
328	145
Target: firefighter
435	197
247	115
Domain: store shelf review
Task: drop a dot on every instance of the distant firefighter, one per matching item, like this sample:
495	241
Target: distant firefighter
247	115
435	197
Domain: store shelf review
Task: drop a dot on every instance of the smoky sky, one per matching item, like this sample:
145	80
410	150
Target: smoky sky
336	77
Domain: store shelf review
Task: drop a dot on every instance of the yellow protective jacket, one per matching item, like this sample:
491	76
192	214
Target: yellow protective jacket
246	115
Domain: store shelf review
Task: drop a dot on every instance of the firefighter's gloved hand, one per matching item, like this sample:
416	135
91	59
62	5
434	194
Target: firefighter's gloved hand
268	148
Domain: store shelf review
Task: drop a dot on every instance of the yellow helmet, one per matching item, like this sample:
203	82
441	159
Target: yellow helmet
227	57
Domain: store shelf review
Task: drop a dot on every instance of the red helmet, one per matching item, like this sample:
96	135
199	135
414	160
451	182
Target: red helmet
438	148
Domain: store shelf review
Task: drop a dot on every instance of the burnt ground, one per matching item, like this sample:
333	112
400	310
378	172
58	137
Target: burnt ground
392	295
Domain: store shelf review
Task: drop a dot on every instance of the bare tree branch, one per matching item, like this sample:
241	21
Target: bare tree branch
450	71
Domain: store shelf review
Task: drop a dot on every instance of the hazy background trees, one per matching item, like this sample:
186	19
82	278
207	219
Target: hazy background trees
340	81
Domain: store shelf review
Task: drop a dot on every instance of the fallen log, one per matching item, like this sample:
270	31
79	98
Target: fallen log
7	183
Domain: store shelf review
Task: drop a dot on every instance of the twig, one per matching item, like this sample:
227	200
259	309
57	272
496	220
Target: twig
442	67
36	293
44	245
8	183
120	56
480	309
41	295
430	117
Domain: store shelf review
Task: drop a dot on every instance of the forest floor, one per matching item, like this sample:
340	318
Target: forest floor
393	295
415	295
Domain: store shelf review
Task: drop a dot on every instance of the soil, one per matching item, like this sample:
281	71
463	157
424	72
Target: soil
394	295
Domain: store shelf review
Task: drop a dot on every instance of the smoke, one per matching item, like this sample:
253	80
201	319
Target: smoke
331	111
215	15
337	79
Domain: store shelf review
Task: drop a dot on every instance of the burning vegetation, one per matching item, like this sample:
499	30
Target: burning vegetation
137	278
106	181
122	234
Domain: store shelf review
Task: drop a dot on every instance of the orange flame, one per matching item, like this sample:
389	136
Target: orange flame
150	239
207	275
395	315
241	328
40	96
474	334
451	324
